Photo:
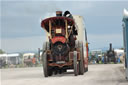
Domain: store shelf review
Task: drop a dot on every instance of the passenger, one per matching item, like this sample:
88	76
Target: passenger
102	59
68	14
34	60
29	62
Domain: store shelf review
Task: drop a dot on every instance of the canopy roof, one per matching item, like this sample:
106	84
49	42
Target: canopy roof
56	21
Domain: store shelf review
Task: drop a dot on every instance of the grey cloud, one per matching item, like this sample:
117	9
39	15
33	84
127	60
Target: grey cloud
33	43
22	44
103	40
30	8
20	20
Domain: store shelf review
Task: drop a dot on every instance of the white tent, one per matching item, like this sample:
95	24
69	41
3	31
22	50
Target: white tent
119	52
3	55
10	58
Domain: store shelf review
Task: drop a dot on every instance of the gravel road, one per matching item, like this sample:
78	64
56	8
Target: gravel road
100	74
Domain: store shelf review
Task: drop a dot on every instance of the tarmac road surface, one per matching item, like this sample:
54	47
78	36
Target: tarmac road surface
100	74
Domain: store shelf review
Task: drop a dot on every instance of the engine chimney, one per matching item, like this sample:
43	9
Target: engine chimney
110	47
58	13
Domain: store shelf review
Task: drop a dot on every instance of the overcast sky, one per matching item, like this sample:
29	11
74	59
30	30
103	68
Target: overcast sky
21	30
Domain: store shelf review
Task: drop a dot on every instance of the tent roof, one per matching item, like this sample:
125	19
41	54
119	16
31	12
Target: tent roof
119	51
9	55
29	54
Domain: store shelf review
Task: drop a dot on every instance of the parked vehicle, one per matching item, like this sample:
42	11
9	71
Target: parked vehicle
29	59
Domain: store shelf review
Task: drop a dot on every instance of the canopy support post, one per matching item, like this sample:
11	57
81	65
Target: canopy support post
66	25
50	28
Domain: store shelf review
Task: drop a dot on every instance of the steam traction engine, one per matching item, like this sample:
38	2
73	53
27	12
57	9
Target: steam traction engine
63	50
110	56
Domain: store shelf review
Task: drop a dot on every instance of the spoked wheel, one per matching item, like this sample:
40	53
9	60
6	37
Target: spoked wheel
75	63
81	65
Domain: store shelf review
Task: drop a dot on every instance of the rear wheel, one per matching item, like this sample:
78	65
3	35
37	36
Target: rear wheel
81	65
75	63
45	64
47	70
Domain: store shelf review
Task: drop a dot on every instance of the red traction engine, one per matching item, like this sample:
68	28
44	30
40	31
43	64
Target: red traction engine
62	50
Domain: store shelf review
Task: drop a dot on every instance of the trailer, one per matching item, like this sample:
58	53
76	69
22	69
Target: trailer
29	59
125	37
66	46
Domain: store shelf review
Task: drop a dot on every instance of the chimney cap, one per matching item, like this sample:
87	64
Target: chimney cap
58	12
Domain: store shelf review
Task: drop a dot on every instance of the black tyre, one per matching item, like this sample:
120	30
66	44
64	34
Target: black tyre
127	78
81	62
115	60
45	64
45	47
50	72
75	63
46	68
86	69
